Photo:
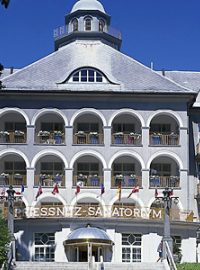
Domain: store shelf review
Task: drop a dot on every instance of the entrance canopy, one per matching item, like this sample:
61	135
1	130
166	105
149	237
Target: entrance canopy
88	235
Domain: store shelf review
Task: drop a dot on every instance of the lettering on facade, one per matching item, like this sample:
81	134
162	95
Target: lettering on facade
79	211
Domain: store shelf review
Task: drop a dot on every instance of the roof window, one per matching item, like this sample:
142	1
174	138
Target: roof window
87	75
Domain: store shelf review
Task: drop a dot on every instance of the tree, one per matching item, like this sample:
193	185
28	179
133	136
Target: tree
4	241
5	3
1	69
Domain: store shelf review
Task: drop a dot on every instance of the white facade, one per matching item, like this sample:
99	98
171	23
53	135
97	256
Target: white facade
97	119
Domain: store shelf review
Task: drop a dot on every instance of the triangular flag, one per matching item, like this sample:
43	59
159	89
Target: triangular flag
102	190
22	189
171	193
78	189
119	191
39	192
134	190
55	189
3	191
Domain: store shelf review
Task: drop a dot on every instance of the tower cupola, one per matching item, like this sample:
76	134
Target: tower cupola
87	21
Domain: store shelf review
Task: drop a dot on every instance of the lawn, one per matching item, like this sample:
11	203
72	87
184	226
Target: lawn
188	266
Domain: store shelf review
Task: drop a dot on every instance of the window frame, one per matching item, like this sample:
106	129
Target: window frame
74	24
87	75
88	24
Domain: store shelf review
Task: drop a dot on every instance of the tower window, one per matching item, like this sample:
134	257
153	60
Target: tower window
88	24
101	25
75	25
88	75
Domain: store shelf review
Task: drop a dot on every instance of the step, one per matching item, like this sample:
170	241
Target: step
84	266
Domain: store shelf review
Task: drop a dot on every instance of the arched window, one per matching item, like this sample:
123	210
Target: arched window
101	25
74	25
87	75
88	24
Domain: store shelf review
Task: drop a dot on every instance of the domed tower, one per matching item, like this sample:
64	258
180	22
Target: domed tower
87	21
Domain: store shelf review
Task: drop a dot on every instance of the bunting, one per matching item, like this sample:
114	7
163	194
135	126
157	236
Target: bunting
55	189
134	190
102	190
39	192
3	191
21	191
78	189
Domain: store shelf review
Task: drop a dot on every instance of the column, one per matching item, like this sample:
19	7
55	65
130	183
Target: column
107	179
30	135
145	178
107	136
68	135
145	137
69	183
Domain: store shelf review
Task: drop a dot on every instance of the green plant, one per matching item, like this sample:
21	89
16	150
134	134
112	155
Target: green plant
4	240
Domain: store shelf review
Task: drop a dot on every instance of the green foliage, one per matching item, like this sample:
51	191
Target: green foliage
188	266
4	241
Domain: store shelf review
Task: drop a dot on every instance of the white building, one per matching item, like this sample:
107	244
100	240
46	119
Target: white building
89	115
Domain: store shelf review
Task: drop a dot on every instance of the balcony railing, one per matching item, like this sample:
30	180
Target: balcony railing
164	139
88	138
47	137
164	181
128	139
12	179
62	31
49	180
16	136
88	181
126	181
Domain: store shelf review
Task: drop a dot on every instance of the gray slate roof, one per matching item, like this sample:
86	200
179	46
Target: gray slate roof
124	73
189	79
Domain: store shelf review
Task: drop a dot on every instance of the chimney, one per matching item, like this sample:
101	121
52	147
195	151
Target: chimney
11	70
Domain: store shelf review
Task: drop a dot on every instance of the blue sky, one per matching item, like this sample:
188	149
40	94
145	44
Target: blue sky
165	32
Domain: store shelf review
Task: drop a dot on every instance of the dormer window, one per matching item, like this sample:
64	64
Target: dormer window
88	24
88	75
74	25
101	25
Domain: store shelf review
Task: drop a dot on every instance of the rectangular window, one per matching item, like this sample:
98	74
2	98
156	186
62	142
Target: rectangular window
123	168
126	128
91	75
49	126
51	168
88	127
161	169
44	247
87	168
84	75
15	167
131	247
162	128
11	126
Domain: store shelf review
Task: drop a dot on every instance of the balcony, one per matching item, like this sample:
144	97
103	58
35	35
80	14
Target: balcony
156	181
47	180
82	137
62	32
16	136
89	181
126	139
12	179
50	137
127	181
164	139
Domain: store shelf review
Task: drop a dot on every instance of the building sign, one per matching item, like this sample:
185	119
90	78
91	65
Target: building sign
90	211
